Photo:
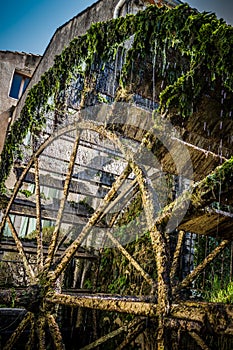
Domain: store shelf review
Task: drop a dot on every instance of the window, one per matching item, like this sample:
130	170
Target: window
18	85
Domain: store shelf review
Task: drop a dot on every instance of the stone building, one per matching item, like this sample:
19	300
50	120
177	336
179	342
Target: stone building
16	69
29	69
96	162
75	27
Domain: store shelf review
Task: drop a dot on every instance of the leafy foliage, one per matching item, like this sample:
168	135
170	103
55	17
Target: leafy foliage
189	54
220	293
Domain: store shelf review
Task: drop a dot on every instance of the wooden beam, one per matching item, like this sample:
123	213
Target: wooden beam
72	215
31	248
201	312
209	222
53	179
132	305
55	332
61	208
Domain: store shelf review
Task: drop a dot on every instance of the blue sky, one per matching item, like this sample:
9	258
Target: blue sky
28	25
222	8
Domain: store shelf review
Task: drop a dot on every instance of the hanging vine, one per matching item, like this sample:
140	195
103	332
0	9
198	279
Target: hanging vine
189	51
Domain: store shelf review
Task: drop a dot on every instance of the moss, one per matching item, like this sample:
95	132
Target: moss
26	193
188	52
220	292
117	275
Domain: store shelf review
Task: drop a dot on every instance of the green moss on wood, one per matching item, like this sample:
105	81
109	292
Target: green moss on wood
189	54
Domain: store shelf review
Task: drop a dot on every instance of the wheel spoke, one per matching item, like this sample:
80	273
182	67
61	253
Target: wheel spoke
53	243
124	329
31	340
191	277
160	340
118	198
55	332
161	248
199	340
116	243
176	256
70	251
133	331
38	218
134	263
19	330
19	245
40	328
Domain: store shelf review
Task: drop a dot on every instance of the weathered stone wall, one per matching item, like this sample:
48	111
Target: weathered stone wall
77	26
9	62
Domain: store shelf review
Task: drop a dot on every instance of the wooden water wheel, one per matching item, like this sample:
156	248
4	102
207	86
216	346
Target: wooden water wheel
44	169
87	200
117	178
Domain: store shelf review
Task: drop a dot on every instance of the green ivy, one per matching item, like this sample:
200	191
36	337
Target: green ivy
219	292
189	53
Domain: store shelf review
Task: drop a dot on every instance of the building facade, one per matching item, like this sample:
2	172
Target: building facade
16	70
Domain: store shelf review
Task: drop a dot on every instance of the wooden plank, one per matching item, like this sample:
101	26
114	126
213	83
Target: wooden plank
202	313
78	186
46	214
7	245
210	222
76	214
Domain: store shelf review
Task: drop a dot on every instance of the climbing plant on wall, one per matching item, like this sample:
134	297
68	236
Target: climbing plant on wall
172	58
185	51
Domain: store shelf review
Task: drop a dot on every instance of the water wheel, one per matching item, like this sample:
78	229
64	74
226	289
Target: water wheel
95	172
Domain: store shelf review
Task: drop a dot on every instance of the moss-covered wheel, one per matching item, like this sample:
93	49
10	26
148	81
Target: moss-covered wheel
106	198
90	201
102	182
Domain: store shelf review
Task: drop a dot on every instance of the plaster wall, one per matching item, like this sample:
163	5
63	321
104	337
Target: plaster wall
100	11
9	62
77	26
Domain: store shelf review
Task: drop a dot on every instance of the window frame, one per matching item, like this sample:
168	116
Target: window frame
22	87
